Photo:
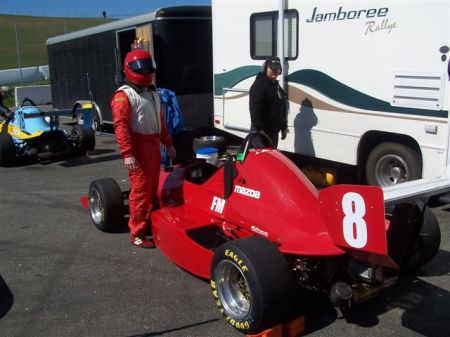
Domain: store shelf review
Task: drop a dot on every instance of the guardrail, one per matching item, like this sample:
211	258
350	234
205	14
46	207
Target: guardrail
39	94
28	74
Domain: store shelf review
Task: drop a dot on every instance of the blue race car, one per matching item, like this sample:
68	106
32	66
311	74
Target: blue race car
30	133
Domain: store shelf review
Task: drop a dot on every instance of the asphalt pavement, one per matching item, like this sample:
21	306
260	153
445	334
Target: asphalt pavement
60	276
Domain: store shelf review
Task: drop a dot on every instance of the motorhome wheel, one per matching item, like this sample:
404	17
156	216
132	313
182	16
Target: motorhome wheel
392	163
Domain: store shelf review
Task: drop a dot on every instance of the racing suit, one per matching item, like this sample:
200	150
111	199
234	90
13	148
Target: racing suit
139	127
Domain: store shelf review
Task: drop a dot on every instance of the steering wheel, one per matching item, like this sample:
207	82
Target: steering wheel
252	138
26	99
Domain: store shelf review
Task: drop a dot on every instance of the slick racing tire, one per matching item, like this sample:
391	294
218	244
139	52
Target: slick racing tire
217	142
84	139
106	205
392	163
7	150
428	242
251	283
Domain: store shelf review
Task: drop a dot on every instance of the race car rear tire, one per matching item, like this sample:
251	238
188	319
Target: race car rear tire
251	283
7	150
106	205
84	139
428	242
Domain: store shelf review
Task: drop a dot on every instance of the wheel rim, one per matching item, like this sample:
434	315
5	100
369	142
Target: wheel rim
76	135
95	205
233	290
391	170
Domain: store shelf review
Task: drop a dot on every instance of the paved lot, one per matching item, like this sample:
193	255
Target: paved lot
60	276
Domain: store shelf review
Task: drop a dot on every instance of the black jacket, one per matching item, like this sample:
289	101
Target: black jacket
268	105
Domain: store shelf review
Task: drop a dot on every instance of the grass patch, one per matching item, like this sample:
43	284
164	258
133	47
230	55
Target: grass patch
33	33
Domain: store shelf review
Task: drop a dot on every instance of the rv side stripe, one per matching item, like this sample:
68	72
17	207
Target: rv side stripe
326	86
344	94
230	78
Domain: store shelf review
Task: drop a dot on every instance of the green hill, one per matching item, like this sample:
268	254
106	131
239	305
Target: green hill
32	33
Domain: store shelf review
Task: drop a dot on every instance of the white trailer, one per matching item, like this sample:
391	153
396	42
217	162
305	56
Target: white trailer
367	81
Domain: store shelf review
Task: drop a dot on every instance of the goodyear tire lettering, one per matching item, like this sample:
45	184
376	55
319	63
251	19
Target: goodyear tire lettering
245	325
236	259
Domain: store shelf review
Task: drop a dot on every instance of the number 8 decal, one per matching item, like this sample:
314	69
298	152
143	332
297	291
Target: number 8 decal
354	225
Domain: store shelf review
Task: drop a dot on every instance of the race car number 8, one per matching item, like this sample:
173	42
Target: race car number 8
354	225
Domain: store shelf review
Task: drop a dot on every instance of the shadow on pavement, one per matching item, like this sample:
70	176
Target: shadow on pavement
78	161
71	160
424	305
6	298
160	333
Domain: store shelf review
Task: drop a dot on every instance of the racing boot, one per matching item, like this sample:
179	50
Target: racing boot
148	233
141	242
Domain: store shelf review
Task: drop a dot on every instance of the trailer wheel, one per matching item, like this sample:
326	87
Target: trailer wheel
106	205
428	242
210	141
392	163
84	139
7	150
251	282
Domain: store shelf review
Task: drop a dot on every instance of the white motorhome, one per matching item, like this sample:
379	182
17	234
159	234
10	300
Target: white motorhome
367	81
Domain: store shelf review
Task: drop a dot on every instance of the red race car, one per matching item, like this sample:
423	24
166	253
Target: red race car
259	230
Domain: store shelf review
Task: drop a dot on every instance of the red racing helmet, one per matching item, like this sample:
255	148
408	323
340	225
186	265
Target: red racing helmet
139	68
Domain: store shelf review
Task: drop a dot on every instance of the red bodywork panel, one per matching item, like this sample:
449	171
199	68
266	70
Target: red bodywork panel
271	198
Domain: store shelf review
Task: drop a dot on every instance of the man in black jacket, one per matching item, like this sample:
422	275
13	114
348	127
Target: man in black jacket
268	104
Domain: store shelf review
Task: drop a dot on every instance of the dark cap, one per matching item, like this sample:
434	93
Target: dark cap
273	63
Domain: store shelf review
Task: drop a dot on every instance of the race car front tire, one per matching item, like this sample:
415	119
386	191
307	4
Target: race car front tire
7	150
106	205
251	283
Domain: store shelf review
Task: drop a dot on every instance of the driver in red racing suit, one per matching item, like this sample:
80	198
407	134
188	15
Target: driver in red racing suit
139	127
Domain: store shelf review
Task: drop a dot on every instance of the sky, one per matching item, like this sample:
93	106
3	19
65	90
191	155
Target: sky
89	8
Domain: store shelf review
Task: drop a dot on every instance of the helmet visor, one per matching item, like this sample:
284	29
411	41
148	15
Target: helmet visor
143	66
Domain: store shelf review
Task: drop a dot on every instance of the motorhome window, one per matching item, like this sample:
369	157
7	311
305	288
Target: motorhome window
263	34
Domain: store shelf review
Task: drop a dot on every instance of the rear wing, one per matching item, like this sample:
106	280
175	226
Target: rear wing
355	218
84	116
356	221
